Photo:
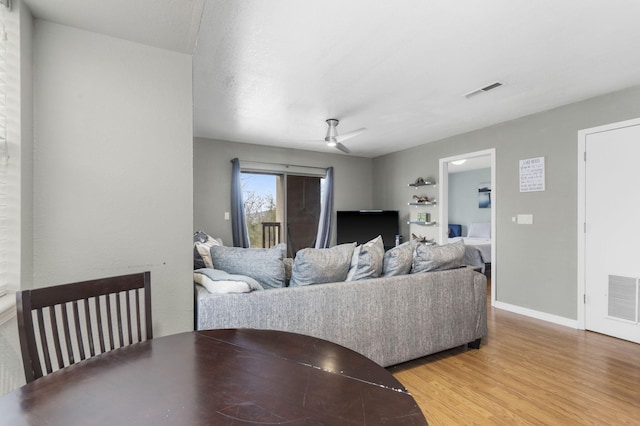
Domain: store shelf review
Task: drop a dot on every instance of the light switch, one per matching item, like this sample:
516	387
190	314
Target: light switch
226	215
525	219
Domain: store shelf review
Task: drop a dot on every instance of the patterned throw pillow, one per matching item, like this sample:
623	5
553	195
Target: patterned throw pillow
263	265
398	260
202	243
366	261
437	258
317	266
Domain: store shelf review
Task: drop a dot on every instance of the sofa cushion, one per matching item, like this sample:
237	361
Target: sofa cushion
398	260
263	265
317	266
366	261
437	258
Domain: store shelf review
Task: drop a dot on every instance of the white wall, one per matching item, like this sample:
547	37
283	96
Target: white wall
113	166
463	198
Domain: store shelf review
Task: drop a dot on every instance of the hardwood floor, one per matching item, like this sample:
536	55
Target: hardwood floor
529	372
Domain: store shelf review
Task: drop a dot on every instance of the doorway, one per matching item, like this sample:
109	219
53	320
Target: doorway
481	159
609	273
282	207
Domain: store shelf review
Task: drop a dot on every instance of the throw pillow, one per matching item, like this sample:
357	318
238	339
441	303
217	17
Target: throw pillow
317	266
263	265
398	260
220	282
479	230
202	243
366	261
437	258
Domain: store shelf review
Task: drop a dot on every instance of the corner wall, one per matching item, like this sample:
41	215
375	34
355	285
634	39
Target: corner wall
113	172
536	264
353	188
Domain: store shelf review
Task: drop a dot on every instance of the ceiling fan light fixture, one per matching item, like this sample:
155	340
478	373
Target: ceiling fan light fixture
331	142
332	132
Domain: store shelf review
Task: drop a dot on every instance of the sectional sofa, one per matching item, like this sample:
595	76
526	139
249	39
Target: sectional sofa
390	319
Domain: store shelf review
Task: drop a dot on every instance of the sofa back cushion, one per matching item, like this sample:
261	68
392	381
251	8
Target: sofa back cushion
366	261
317	266
263	265
437	258
398	260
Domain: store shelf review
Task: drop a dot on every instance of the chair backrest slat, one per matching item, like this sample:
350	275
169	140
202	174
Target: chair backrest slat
89	326
78	329
53	319
129	328
110	322
67	333
43	340
119	315
138	315
83	327
99	321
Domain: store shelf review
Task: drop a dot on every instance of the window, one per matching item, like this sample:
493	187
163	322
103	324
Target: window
4	154
286	204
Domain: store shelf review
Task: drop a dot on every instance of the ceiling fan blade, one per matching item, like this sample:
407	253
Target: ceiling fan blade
349	135
343	148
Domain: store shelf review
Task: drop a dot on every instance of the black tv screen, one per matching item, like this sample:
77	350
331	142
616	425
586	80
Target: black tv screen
364	225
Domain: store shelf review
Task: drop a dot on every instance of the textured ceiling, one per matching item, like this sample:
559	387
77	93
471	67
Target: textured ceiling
271	72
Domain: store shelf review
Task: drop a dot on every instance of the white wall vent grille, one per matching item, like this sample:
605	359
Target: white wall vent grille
624	298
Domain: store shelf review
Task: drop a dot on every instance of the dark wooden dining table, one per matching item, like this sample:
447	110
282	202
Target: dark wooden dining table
217	377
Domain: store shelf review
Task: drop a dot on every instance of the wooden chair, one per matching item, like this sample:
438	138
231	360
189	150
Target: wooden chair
270	234
59	323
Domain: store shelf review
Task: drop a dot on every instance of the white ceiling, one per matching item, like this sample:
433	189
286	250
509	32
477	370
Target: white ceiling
271	72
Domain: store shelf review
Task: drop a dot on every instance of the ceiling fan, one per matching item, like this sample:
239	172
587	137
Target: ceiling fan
334	140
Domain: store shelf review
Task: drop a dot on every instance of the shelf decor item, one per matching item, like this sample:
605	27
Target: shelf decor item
423	217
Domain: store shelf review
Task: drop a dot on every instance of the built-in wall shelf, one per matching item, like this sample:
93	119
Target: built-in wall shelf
423	203
421	223
425	183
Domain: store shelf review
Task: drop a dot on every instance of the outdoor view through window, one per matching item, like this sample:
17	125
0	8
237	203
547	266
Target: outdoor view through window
282	208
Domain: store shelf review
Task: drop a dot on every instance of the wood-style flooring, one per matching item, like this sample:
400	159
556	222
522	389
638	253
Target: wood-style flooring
529	372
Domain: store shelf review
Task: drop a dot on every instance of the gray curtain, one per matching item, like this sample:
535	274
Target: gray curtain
239	229
323	239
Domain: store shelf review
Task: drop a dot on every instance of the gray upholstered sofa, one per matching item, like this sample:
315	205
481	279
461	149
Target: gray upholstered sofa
388	319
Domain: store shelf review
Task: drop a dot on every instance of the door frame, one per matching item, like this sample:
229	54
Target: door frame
443	204
582	213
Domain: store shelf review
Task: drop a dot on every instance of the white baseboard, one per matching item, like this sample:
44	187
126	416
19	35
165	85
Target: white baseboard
567	322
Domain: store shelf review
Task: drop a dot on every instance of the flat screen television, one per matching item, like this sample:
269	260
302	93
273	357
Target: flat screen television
364	225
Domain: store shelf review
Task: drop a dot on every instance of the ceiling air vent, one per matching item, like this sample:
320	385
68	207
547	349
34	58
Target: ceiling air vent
483	89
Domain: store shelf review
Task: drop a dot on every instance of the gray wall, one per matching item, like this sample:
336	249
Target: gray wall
212	179
536	263
463	198
113	177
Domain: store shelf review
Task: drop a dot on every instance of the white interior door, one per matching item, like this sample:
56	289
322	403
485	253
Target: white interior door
612	209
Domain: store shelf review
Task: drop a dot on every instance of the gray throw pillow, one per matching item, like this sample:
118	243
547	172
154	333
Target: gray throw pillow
398	260
366	261
437	258
317	266
263	265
